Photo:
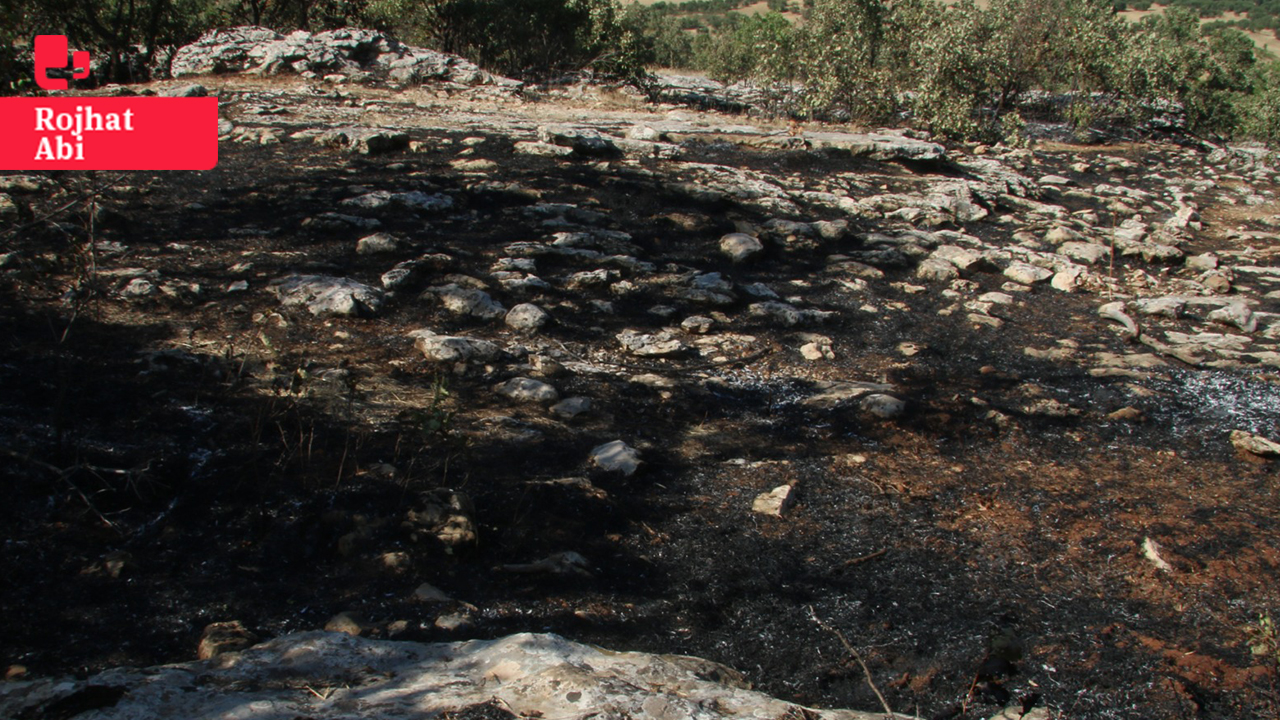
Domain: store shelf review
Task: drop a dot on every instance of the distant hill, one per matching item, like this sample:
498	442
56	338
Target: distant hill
1258	20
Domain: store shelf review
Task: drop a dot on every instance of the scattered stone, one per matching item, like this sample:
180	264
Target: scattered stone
340	221
979	318
579	485
351	54
1254	444
1152	551
662	344
454	621
817	347
837	393
570	408
473	165
1060	235
348	623
1025	274
187	90
1088	253
775	502
1050	407
1202	263
1170	307
936	270
740	247
445	516
583	142
966	261
376	244
1067	280
413	199
224	637
1016	712
366	141
449	348
1217	282
1127	414
1115	311
616	456
698	324
779	312
324	295
885	407
884	145
468	302
526	318
396	562
23	183
1237	314
138	288
996	298
567	563
526	147
527	390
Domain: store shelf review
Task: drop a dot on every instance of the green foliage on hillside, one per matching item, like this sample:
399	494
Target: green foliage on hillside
963	71
1259	15
524	38
520	38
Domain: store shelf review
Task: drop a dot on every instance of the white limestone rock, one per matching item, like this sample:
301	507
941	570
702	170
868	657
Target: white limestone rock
775	502
451	348
616	456
740	247
661	344
527	390
529	675
324	295
1027	274
468	302
1254	444
526	317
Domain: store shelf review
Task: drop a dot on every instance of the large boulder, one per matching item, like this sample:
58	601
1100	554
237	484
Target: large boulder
345	51
333	675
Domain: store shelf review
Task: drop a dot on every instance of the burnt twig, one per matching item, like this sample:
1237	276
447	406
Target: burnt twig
856	656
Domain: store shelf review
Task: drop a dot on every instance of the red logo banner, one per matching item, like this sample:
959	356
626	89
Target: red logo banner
96	133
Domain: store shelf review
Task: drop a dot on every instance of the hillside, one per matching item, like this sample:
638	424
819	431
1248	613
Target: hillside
461	358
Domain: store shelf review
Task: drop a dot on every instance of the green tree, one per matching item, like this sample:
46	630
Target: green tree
965	67
522	38
842	59
760	47
1209	72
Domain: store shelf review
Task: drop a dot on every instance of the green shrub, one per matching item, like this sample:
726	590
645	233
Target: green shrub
521	38
760	47
664	39
1209	71
964	67
1261	111
842	59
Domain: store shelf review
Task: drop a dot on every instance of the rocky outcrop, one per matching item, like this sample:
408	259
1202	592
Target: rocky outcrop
350	53
334	676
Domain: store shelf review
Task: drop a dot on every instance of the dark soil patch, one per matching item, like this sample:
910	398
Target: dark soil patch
183	460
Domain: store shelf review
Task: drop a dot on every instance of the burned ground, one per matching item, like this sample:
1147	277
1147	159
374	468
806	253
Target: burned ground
199	454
